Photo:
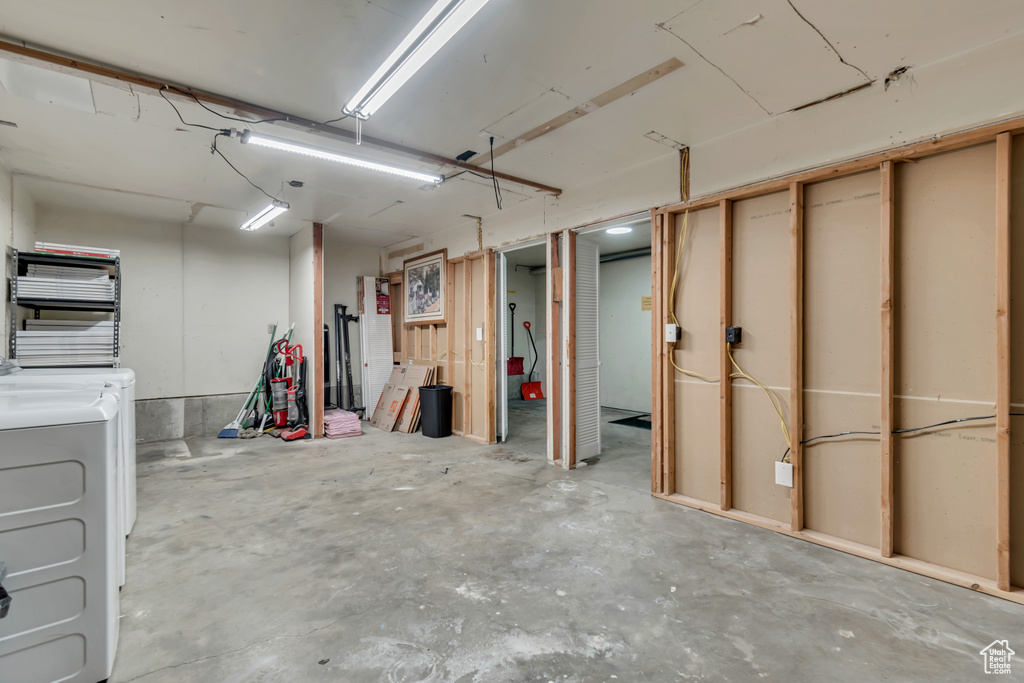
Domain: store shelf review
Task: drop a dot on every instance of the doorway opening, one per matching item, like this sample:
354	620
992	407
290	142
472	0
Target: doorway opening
613	346
522	382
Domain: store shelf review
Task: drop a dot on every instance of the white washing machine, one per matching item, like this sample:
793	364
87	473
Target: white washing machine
25	381
58	531
124	380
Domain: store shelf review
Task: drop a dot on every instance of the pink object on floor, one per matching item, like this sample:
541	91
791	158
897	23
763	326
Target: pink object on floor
341	423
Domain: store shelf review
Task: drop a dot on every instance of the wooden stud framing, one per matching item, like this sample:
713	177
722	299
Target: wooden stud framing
934	571
668	384
570	343
433	344
725	367
317	394
467	351
417	345
796	352
887	270
449	368
490	369
1004	149
657	409
865	163
554	346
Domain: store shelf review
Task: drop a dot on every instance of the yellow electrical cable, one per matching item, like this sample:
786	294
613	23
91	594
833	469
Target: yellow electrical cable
470	359
675	275
776	401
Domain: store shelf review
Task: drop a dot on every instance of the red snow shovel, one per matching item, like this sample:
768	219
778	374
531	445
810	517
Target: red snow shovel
515	363
531	390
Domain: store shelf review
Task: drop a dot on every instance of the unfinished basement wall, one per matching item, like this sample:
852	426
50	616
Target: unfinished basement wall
808	272
17	231
196	303
343	265
461	358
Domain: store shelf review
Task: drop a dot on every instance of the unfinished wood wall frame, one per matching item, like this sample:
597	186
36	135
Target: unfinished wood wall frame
317	413
462	361
553	370
875	296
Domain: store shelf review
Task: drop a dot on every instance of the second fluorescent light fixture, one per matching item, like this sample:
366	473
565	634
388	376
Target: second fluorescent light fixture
253	138
268	214
435	29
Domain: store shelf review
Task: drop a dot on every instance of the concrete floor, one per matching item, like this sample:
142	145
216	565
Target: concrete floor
396	558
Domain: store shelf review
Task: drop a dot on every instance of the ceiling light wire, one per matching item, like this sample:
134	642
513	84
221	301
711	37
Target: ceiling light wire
214	150
494	178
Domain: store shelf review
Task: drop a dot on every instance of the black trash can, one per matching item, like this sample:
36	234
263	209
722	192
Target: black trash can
436	410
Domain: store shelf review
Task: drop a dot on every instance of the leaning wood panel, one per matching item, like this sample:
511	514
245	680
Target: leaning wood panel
761	308
697	305
725	365
841	356
1004	162
946	480
1017	368
668	394
657	304
796	352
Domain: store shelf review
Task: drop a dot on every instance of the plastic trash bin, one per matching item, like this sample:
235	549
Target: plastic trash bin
436	410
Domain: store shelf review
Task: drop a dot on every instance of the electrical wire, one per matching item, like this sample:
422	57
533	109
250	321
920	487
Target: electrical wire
470	359
180	118
202	104
909	430
776	401
494	178
675	276
214	150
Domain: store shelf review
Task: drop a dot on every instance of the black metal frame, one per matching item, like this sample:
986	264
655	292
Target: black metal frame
21	260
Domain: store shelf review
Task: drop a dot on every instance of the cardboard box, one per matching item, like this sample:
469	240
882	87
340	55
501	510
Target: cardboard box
394	402
416	376
379	410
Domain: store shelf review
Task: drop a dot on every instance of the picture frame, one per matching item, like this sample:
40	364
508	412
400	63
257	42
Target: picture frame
424	288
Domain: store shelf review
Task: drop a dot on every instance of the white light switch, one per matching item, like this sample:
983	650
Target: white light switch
479	334
671	333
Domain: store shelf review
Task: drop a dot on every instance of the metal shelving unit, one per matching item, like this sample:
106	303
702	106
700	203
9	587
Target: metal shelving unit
20	262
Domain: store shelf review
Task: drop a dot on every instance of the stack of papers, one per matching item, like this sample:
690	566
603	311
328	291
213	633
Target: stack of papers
65	342
74	250
341	423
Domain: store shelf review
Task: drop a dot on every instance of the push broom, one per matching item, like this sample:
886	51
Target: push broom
230	430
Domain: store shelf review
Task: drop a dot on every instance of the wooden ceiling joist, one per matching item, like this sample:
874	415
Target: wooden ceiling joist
109	74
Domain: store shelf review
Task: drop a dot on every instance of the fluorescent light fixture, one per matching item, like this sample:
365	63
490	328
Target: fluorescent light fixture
253	138
621	230
435	29
268	214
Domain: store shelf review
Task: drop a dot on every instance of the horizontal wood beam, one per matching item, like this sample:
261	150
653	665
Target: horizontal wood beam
79	67
912	151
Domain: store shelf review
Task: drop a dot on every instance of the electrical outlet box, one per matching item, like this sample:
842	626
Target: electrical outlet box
784	474
672	333
733	335
479	334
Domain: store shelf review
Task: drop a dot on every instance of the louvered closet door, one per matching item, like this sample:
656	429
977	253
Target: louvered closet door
588	352
375	345
502	383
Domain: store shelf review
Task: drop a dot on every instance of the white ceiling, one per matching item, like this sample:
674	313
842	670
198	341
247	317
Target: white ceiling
516	65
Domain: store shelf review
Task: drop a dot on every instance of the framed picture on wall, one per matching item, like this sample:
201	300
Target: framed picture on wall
424	288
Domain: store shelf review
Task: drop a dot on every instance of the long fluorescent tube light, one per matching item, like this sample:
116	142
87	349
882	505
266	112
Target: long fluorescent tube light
435	29
268	214
254	138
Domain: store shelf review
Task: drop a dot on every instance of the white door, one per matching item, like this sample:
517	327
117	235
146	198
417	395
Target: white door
588	351
502	369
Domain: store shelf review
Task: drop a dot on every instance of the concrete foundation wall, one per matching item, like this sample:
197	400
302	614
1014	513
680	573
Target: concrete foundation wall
160	419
